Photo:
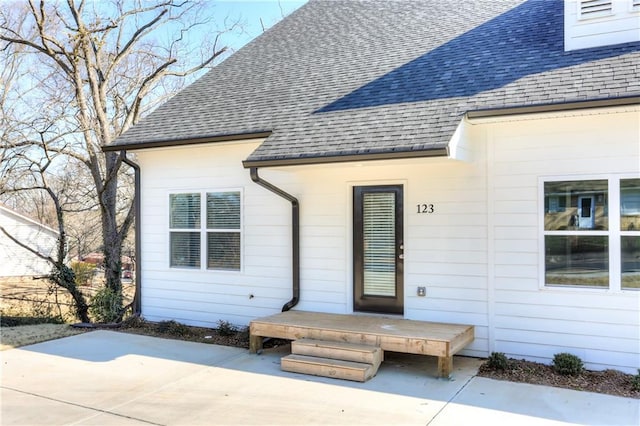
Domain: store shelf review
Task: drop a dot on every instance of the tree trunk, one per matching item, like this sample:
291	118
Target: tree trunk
112	235
64	277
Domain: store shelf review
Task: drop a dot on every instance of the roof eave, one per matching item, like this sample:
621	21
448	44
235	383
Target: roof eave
347	158
553	107
191	141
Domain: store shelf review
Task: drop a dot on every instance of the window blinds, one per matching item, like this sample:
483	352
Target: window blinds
379	253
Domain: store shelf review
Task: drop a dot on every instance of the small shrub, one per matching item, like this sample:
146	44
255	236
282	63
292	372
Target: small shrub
498	361
225	328
83	272
567	364
635	381
106	305
173	328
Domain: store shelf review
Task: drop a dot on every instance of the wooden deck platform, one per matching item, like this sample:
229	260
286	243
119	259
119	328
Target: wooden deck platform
391	334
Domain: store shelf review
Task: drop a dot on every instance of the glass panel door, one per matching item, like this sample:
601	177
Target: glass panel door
379	245
378	249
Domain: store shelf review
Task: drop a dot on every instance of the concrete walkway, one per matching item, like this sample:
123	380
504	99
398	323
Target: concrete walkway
111	378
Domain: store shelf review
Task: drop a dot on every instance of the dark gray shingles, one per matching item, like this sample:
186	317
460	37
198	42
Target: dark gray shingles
354	77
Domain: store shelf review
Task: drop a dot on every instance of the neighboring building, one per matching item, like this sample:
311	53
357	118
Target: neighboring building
16	261
452	161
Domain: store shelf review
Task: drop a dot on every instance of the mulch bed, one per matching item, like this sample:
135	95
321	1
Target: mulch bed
612	382
225	334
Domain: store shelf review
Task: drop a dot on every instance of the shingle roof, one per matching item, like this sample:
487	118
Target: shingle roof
341	78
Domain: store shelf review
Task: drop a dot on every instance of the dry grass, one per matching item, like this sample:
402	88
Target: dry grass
23	335
33	311
29	297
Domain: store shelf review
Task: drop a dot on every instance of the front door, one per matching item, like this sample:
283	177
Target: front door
586	210
378	249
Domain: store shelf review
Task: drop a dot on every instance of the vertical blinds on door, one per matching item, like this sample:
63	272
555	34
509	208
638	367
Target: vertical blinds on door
379	253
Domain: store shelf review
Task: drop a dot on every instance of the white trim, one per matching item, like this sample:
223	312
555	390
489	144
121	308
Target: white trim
491	249
615	267
580	112
457	141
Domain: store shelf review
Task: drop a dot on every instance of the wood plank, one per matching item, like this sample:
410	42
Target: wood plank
445	366
338	350
391	334
333	368
366	324
461	340
255	343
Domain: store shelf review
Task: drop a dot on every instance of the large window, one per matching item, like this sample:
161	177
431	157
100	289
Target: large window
205	229
630	233
592	233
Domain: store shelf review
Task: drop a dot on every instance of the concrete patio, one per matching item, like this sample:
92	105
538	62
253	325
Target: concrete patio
111	378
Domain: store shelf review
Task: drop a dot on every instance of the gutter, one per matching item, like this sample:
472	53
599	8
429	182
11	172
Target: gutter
260	134
295	235
347	158
137	302
554	107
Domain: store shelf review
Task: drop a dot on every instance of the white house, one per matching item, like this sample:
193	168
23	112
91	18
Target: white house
465	162
16	261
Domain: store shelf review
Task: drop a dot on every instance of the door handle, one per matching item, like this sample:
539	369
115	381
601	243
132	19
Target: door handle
401	256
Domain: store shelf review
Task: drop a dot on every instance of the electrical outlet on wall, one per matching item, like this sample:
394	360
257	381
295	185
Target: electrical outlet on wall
422	291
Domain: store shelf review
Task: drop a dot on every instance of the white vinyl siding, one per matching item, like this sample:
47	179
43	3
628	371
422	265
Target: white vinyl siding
593	23
202	296
478	253
16	261
531	320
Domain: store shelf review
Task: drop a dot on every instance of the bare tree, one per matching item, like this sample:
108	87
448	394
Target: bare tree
82	73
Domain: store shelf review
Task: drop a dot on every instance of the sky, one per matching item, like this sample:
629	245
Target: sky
270	11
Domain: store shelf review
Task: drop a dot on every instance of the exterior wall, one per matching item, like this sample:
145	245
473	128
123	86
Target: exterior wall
203	297
617	22
532	321
444	251
478	255
16	261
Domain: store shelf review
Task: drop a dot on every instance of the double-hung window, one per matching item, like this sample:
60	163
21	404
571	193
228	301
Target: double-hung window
205	230
592	233
630	233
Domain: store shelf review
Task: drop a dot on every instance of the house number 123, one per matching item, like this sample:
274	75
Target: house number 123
426	208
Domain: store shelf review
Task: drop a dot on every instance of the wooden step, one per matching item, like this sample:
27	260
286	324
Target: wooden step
339	350
326	367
